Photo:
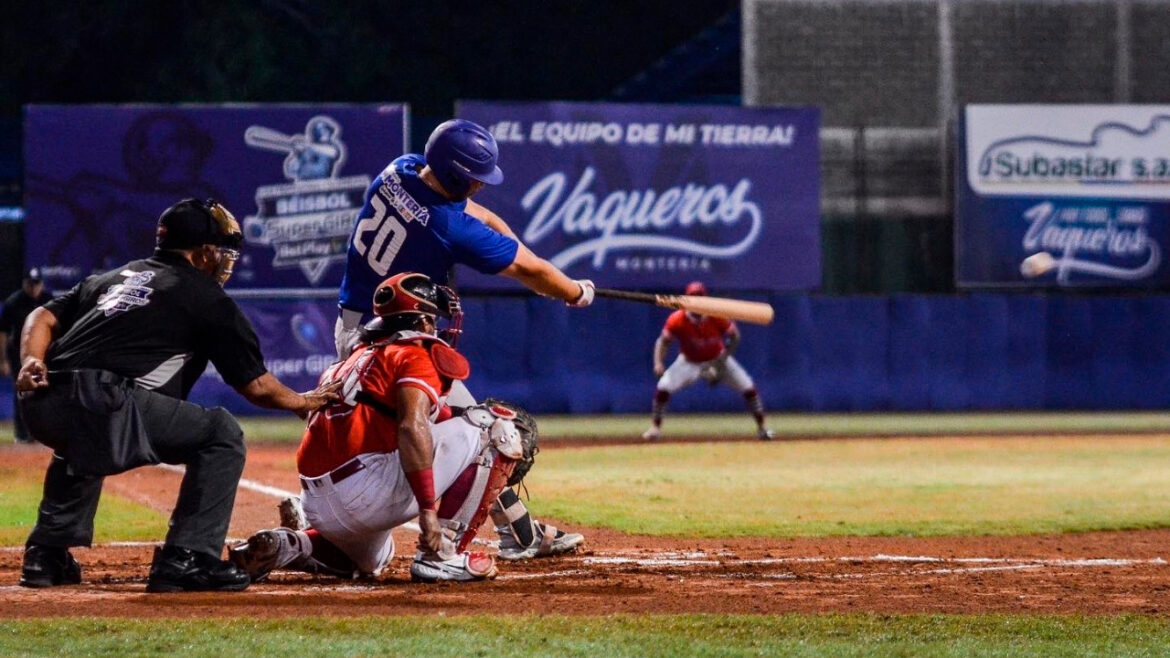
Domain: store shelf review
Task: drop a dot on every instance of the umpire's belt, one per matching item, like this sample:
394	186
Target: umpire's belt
335	476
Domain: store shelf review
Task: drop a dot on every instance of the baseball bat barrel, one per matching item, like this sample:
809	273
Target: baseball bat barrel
732	309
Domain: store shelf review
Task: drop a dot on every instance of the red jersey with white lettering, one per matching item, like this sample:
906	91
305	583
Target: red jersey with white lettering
365	419
700	337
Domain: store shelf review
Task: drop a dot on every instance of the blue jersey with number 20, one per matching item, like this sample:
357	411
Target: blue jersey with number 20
405	226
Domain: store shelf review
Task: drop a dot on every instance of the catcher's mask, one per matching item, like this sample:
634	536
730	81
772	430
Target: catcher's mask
191	224
401	299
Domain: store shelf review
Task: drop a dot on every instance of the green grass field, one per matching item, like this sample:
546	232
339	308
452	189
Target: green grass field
617	635
117	519
916	487
924	485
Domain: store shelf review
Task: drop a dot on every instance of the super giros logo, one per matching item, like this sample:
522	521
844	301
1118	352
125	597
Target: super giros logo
306	221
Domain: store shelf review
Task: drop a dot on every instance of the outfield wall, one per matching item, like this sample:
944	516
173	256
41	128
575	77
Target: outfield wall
902	352
857	353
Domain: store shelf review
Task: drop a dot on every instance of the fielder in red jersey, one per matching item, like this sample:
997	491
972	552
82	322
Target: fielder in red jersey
706	345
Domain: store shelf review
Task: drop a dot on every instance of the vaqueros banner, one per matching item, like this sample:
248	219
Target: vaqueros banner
1083	190
97	178
654	196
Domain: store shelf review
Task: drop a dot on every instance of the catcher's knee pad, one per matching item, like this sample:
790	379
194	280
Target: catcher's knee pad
525	430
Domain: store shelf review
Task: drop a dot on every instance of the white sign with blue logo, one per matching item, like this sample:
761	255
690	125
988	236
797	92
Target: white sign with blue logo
1081	190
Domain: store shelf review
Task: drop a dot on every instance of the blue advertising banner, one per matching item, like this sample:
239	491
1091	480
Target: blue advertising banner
296	337
1063	196
654	196
97	177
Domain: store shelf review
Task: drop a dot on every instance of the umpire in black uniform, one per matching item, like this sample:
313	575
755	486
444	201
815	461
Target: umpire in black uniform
105	372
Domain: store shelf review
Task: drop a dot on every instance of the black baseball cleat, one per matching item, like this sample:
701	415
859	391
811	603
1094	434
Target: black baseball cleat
48	566
182	570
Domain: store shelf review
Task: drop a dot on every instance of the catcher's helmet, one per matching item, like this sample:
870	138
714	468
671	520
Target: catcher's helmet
399	300
695	288
459	152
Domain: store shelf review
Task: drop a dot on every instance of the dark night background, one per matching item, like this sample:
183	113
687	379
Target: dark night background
427	54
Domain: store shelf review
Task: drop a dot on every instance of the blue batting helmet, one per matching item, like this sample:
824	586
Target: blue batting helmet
459	152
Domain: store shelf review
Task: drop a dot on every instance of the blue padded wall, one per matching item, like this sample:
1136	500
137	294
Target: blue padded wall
981	351
861	353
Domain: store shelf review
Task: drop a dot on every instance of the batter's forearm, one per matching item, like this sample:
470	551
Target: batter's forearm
541	276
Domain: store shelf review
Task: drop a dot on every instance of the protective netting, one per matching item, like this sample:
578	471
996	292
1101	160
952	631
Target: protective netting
877	62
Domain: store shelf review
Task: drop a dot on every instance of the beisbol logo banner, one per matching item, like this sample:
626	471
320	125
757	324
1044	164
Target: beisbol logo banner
306	221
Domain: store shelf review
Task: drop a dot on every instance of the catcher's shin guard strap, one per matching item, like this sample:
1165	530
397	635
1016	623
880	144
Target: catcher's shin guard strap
510	513
547	537
509	508
491	474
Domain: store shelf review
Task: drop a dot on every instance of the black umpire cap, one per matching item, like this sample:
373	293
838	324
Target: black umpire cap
191	223
33	275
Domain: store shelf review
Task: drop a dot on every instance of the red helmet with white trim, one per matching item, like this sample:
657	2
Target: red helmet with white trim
409	294
696	288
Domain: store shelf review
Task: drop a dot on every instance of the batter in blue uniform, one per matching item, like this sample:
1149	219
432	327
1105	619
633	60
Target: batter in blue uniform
418	216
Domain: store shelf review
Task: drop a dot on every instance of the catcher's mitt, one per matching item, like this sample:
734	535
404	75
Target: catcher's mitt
526	424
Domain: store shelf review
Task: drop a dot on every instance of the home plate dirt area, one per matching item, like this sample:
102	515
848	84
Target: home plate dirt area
1091	573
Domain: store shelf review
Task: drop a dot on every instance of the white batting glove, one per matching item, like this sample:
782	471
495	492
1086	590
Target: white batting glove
586	297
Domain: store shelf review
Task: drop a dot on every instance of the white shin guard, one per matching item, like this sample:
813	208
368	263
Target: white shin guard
492	471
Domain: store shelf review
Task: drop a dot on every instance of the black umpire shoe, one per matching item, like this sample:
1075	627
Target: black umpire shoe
47	566
182	570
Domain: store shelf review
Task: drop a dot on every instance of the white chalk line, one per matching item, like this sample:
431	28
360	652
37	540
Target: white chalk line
667	560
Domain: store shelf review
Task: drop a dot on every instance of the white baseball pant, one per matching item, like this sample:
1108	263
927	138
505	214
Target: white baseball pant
682	373
346	331
358	513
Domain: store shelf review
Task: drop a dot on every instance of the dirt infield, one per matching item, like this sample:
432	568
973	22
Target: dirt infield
1096	573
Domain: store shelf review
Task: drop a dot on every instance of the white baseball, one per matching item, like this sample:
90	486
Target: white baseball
1037	264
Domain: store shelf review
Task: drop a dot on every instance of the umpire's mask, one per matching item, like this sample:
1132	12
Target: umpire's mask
194	224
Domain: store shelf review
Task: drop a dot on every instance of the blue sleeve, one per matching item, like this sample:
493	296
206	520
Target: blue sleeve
479	247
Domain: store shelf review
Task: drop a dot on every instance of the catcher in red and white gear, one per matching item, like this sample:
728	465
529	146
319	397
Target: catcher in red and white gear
377	458
706	345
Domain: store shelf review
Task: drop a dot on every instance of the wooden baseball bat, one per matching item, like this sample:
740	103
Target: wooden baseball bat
732	309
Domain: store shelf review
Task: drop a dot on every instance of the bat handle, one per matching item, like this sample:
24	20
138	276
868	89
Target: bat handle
626	294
